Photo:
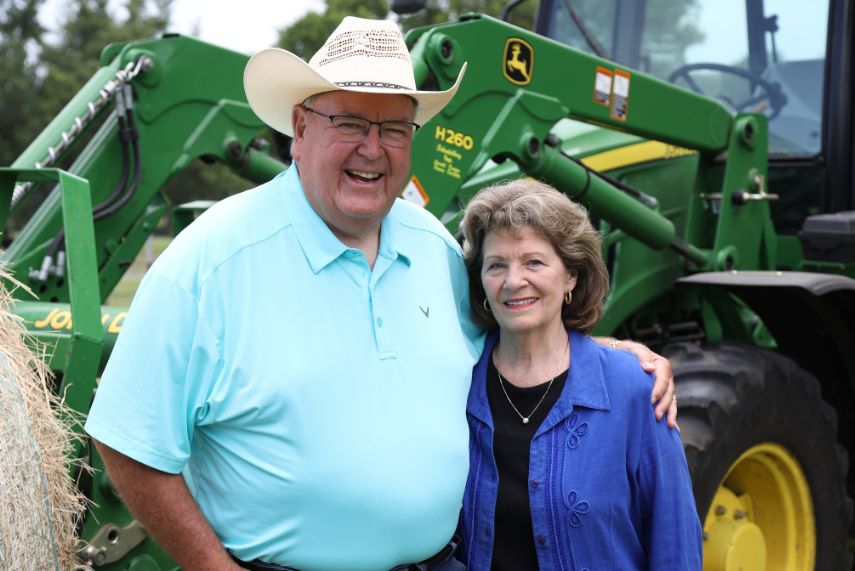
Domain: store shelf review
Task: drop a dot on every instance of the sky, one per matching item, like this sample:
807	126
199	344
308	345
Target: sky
250	25
245	26
801	30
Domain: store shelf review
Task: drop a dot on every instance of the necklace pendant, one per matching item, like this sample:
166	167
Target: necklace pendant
525	420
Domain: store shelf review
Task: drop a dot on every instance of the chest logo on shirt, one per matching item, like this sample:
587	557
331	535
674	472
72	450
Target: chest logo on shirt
425	310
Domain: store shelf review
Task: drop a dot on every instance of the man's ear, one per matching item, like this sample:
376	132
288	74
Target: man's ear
298	121
298	124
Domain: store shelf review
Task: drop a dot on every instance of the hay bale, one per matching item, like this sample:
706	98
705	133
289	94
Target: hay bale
39	504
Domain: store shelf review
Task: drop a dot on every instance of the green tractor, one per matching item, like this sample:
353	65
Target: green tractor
711	142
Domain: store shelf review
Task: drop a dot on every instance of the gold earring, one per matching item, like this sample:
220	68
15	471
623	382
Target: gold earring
568	297
486	306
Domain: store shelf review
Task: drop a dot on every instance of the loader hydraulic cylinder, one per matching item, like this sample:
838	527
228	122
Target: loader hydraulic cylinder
546	163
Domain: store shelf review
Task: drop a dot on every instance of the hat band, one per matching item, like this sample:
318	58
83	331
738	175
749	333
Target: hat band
377	84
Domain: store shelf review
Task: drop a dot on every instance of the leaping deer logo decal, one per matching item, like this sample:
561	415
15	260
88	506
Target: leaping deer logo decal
518	62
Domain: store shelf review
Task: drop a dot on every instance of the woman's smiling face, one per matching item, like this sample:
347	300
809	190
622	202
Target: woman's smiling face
525	281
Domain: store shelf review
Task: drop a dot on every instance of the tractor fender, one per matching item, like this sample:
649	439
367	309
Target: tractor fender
812	318
811	315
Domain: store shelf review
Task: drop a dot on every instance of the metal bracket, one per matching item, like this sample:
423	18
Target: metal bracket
740	196
111	543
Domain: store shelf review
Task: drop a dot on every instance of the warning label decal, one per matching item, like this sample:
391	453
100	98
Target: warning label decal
620	95
602	86
414	193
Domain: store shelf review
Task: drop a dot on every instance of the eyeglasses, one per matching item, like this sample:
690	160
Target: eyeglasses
353	129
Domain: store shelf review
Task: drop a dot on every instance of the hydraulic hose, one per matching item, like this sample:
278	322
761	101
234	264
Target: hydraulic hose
104	210
125	136
128	137
58	243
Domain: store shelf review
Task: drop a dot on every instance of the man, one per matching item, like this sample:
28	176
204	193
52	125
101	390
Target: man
290	385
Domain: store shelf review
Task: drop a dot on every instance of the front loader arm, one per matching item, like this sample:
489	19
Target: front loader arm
185	101
519	85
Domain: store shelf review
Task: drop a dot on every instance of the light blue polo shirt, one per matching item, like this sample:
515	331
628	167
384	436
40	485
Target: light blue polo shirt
316	408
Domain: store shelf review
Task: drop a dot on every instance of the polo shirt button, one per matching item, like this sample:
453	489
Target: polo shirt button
534	484
541	540
379	322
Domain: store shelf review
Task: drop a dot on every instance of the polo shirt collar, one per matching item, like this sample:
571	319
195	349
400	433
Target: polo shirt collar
585	386
318	242
316	239
393	244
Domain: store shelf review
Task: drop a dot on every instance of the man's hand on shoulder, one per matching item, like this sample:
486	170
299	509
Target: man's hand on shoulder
664	394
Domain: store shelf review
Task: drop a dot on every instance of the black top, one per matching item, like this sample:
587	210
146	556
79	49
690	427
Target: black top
513	545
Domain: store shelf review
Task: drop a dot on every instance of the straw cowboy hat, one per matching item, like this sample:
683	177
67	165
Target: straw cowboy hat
361	55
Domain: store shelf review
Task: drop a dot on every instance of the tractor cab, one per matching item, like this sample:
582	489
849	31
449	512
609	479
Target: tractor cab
759	56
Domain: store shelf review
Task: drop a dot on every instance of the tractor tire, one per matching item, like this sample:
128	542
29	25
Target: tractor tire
762	451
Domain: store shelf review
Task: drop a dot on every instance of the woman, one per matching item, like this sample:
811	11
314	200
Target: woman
569	468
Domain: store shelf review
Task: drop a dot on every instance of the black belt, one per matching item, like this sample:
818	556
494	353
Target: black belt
259	565
427	565
442	556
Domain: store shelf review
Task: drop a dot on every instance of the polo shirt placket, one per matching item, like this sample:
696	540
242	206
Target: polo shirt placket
383	335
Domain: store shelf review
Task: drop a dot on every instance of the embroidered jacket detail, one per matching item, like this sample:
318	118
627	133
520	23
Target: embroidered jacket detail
576	507
576	429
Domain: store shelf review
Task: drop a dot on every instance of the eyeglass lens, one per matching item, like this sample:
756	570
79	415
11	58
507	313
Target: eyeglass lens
354	129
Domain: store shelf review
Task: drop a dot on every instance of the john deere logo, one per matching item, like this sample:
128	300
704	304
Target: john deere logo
519	61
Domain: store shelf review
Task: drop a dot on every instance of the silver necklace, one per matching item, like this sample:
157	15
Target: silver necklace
526	419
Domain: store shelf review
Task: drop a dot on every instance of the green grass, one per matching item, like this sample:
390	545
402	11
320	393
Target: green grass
125	289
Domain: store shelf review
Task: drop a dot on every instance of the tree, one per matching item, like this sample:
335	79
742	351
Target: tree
37	78
88	28
439	11
305	36
670	33
20	40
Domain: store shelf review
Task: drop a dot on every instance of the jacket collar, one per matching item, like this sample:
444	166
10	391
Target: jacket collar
585	386
318	242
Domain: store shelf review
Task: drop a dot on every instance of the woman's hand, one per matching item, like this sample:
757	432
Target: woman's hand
664	393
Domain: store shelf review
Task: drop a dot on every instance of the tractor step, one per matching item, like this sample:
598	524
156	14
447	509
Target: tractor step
829	237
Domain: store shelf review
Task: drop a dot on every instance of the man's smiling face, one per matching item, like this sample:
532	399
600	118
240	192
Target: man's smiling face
352	186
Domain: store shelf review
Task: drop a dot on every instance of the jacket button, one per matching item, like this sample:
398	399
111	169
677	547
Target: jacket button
534	484
541	540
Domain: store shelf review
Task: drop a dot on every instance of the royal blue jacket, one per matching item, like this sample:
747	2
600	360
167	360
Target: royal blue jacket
609	486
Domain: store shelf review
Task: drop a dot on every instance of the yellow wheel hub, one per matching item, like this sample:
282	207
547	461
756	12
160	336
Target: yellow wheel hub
762	515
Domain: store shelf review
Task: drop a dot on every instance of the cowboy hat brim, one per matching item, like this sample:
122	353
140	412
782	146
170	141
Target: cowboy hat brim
275	80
